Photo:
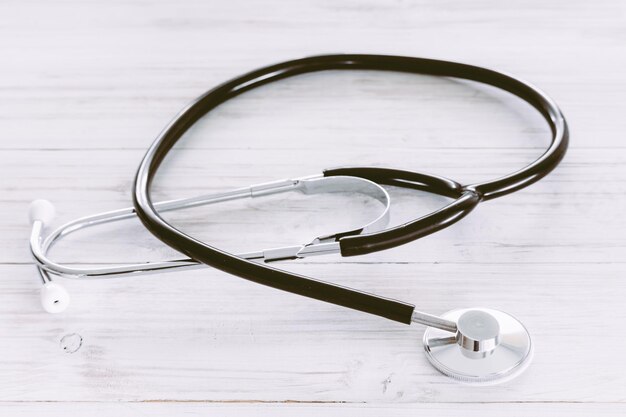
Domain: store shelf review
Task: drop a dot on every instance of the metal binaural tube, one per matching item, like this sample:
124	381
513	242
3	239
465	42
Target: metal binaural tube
313	184
431	320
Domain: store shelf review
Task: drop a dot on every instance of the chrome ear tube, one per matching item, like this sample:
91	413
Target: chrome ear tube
55	298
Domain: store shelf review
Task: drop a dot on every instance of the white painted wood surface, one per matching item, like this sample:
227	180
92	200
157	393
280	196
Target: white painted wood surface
85	87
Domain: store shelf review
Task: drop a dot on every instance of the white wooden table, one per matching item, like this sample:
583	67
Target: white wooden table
85	87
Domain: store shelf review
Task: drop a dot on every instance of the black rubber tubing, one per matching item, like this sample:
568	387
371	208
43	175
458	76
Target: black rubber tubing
467	196
465	202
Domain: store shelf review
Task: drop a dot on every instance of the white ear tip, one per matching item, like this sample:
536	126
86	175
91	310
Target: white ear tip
54	298
42	210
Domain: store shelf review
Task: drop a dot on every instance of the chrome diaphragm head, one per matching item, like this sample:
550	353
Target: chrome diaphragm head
489	346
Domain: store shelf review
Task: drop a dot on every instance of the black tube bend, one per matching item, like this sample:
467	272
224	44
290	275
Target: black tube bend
467	197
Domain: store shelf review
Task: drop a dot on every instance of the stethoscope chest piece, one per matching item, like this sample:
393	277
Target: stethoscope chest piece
489	347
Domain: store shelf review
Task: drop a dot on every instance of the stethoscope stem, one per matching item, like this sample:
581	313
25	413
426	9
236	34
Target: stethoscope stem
431	320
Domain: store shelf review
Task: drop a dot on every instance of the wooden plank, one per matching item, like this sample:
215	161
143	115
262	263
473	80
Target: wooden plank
559	219
206	336
70	82
260	410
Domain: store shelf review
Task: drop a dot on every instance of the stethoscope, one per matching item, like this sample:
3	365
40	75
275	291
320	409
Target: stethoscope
476	345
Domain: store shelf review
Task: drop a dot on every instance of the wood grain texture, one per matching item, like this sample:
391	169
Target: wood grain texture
86	86
332	410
